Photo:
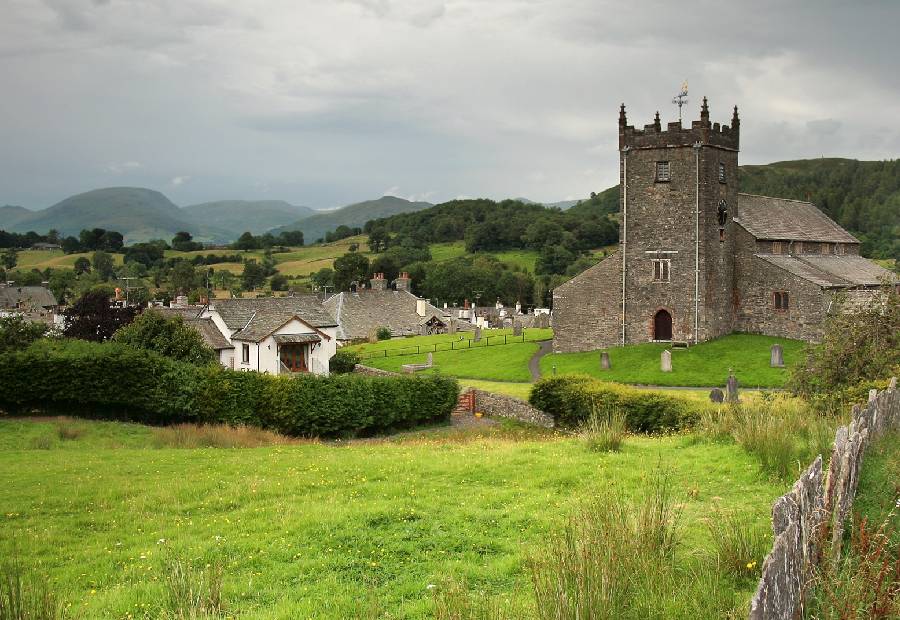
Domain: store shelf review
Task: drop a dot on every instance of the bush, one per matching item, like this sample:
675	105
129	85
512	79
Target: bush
571	399
171	337
114	381
383	333
343	361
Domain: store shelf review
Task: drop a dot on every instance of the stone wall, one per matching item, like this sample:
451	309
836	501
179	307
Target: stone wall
375	372
499	405
587	309
808	522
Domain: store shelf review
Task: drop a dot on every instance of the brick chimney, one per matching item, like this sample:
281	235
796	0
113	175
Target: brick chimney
378	283
403	282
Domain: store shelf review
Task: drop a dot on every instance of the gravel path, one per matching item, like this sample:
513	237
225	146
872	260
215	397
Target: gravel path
534	364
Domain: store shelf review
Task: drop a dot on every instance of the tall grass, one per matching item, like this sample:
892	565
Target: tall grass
454	600
193	593
24	595
604	430
216	436
784	434
741	544
615	559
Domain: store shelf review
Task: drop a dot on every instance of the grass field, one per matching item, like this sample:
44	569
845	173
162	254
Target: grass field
705	364
328	530
56	259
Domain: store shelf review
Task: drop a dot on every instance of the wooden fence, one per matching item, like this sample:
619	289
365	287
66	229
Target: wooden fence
808	521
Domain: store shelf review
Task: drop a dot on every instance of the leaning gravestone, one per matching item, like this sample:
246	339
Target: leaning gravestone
517	328
731	388
665	361
776	358
716	395
604	360
477	337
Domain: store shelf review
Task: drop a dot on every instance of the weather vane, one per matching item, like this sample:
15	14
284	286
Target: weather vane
681	98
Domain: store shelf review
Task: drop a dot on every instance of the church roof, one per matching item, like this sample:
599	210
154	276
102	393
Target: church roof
832	271
782	219
360	313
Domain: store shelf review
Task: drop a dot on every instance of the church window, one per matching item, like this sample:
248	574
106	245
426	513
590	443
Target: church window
661	269
662	171
826	248
781	300
721	172
840	248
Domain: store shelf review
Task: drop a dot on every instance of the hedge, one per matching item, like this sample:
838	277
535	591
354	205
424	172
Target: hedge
115	381
570	399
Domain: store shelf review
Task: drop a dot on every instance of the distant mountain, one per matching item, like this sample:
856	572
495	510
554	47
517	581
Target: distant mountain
239	216
315	226
138	213
10	215
562	205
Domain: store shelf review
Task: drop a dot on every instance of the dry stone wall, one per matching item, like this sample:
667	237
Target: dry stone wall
808	521
508	407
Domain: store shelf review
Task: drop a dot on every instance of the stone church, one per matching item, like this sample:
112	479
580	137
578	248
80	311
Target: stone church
698	260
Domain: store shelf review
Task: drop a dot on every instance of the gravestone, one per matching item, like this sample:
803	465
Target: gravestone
716	395
517	328
429	359
665	361
604	360
477	337
776	358
451	329
731	388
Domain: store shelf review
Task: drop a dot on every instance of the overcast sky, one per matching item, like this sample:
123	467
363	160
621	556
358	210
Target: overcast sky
327	102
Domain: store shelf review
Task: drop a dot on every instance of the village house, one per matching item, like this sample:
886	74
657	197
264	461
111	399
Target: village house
360	313
281	335
33	303
698	260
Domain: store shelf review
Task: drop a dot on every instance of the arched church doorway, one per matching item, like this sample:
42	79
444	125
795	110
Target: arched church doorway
662	325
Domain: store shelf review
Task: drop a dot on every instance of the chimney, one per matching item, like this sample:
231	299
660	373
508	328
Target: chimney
378	283
421	306
403	282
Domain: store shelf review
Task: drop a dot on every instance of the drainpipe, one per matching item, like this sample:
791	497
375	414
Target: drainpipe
624	230
697	146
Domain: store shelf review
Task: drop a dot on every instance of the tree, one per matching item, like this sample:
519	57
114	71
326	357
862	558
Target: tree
71	245
323	277
93	317
16	333
553	259
111	241
183	276
184	242
291	237
254	275
378	239
10	258
246	242
103	264
61	283
82	265
279	282
350	268
171	337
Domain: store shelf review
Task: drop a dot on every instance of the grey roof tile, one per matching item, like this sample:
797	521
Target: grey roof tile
254	319
26	297
779	218
360	313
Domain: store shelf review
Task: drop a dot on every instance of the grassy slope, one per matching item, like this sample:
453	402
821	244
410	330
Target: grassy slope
705	364
313	530
41	259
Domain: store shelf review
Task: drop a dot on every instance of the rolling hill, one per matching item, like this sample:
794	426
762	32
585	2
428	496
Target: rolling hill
239	216
315	226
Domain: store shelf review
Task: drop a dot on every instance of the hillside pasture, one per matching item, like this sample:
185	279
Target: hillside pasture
333	530
55	259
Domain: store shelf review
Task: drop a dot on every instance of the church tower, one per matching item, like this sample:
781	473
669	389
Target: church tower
678	195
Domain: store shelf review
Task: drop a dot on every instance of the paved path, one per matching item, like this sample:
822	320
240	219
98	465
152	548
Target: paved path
534	364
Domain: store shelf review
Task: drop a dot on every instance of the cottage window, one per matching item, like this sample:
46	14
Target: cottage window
721	172
840	248
661	269
777	247
662	172
245	353
826	248
781	300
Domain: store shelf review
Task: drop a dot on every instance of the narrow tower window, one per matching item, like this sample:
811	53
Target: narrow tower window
662	171
661	269
721	173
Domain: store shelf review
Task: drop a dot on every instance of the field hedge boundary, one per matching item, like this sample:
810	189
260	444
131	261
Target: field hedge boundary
570	399
115	381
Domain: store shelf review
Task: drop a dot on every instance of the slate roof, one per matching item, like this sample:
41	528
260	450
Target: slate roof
255	319
782	219
359	314
26	296
831	271
211	335
296	338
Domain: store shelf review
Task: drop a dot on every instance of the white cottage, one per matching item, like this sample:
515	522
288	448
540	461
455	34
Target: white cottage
276	335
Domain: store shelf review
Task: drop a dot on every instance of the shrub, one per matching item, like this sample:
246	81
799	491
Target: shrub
114	381
604	431
570	399
17	333
167	336
343	361
383	333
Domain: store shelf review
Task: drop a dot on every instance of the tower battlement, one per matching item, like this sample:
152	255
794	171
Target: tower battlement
675	134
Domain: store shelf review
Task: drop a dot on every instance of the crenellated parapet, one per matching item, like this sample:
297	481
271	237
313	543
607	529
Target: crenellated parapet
675	134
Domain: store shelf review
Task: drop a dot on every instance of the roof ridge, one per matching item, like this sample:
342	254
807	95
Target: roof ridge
804	202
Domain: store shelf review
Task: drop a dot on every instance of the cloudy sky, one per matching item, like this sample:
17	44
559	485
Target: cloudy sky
326	102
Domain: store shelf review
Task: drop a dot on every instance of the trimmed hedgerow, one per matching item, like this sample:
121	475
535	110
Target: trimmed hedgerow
571	399
115	381
343	361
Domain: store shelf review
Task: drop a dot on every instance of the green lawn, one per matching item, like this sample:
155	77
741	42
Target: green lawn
705	364
320	530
